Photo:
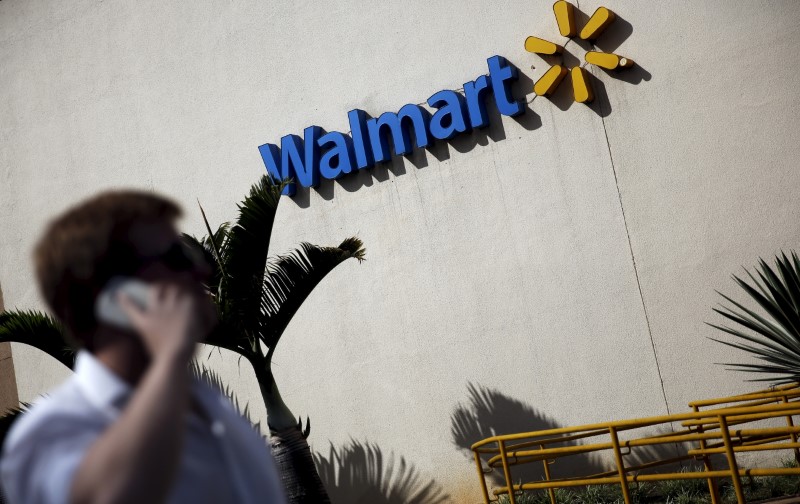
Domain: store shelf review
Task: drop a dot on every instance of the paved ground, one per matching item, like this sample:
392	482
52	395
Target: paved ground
781	500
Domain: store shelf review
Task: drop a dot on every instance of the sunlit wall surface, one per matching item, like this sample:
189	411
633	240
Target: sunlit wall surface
556	268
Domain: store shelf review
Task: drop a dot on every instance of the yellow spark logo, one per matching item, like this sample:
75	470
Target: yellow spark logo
581	86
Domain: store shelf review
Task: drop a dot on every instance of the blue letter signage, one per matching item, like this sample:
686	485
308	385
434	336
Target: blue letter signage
335	154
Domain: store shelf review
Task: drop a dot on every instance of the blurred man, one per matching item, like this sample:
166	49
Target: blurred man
131	425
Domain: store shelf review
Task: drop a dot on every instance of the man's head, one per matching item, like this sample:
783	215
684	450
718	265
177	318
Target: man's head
118	233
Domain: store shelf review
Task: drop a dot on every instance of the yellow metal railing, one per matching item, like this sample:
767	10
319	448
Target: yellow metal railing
724	426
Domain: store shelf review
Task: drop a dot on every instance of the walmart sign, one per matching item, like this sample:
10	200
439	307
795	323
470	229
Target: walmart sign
332	155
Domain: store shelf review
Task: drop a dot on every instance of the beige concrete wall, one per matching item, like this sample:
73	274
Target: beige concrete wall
565	262
8	379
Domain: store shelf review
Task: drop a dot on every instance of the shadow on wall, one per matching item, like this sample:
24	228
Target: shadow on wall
563	99
439	150
360	473
610	40
489	412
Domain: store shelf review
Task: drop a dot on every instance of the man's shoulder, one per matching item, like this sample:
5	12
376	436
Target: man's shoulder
46	443
60	412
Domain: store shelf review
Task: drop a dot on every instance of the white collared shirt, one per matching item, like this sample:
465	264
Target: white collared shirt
224	459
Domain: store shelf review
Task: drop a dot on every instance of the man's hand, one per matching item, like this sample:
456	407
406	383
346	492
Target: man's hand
137	458
167	326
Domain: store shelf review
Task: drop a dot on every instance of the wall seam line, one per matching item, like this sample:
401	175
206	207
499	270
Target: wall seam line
633	260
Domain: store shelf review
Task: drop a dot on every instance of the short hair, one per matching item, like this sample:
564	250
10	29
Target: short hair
86	246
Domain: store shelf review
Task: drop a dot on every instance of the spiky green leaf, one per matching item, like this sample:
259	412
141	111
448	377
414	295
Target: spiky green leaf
246	257
773	338
291	278
38	330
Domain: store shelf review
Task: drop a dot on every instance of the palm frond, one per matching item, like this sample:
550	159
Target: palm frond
257	297
777	347
38	330
245	258
791	278
761	325
201	248
229	336
775	304
215	241
292	277
773	338
212	247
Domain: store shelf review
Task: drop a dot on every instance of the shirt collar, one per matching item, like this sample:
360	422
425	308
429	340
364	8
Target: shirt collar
104	389
109	393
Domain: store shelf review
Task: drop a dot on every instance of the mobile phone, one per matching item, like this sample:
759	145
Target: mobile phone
107	308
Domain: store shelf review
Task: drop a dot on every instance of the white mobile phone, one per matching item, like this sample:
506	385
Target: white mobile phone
107	308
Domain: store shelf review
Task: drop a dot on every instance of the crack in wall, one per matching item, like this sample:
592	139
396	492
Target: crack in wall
633	257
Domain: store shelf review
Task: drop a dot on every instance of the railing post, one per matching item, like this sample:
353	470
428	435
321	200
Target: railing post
550	491
790	423
507	473
623	478
734	467
482	476
712	485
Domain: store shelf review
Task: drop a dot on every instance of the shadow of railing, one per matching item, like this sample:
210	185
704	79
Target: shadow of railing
489	412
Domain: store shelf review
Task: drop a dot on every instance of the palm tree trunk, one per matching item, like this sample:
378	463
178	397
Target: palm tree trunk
296	466
289	447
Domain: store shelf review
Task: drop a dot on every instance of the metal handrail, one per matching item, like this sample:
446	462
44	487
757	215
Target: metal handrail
715	430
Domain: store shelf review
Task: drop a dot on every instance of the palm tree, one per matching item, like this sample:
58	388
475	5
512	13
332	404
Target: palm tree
770	332
256	299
